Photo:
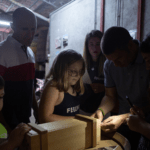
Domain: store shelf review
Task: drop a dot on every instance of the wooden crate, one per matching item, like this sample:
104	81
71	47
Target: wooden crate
71	134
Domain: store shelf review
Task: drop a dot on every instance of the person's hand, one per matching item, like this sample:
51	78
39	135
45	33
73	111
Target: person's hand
97	87
135	110
135	122
112	123
98	114
17	135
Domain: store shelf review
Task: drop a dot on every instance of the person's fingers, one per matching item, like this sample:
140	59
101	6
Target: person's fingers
100	117
107	120
133	111
20	125
107	125
137	109
24	126
127	119
138	112
93	115
24	130
108	130
105	130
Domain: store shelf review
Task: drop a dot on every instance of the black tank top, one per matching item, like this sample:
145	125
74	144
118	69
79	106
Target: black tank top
69	106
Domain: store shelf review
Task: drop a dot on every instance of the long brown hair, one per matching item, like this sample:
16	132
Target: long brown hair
58	74
86	55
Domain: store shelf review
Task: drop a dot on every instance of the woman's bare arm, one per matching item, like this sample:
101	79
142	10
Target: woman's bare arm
48	101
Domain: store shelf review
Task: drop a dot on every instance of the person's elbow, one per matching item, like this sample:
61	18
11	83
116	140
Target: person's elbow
43	117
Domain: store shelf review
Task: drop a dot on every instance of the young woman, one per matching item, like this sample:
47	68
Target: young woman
93	78
60	99
17	135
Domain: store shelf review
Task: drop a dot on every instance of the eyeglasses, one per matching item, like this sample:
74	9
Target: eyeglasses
75	73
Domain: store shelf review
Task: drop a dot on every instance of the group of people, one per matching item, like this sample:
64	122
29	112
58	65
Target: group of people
113	66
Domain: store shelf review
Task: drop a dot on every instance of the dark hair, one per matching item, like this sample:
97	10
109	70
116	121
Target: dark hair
59	71
19	12
145	45
115	38
2	83
86	54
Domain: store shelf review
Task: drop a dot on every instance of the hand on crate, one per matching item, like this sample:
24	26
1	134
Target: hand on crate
135	110
17	135
112	123
135	123
98	114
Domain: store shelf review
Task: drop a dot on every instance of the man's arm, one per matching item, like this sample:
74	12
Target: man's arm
108	102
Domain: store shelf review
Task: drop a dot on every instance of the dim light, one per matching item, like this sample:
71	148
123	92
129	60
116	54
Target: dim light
5	23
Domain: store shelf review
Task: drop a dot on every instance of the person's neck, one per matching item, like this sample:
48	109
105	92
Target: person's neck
71	90
94	59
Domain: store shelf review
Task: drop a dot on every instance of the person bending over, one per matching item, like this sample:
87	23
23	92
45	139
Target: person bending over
125	75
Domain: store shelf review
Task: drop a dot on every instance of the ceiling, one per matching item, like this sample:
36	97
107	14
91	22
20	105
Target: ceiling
42	9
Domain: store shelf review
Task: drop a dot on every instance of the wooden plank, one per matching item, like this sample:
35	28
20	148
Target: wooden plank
31	141
43	135
67	139
58	125
37	128
93	127
98	131
69	133
44	141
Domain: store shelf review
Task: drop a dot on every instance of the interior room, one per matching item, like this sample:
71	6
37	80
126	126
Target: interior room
74	74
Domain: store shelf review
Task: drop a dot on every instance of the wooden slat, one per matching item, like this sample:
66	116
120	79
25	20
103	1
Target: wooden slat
37	128
66	134
43	135
93	127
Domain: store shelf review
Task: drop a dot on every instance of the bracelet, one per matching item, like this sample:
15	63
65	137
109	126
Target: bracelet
102	111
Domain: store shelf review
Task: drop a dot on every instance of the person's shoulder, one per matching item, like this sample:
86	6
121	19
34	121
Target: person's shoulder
3	45
6	46
108	63
50	87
